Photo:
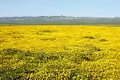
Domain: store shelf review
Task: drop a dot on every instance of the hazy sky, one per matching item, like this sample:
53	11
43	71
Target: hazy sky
83	8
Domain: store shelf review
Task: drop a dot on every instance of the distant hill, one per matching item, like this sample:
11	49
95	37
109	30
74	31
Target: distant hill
59	20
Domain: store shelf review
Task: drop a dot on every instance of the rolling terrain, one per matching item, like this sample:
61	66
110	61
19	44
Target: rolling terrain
59	20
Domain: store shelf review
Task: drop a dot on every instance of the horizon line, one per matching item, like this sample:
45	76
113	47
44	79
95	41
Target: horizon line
64	16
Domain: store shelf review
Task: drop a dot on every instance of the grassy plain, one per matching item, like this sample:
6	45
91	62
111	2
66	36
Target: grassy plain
59	52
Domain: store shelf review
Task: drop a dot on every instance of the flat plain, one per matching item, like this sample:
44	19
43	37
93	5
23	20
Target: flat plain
53	52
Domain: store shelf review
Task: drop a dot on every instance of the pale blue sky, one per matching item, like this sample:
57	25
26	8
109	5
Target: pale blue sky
82	8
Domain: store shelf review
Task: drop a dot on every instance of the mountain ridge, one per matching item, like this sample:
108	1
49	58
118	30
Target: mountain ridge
60	20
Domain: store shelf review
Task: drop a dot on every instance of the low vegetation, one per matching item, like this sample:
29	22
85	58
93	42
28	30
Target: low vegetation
59	53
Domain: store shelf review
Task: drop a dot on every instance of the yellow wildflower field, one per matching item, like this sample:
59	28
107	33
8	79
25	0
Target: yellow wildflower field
54	52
